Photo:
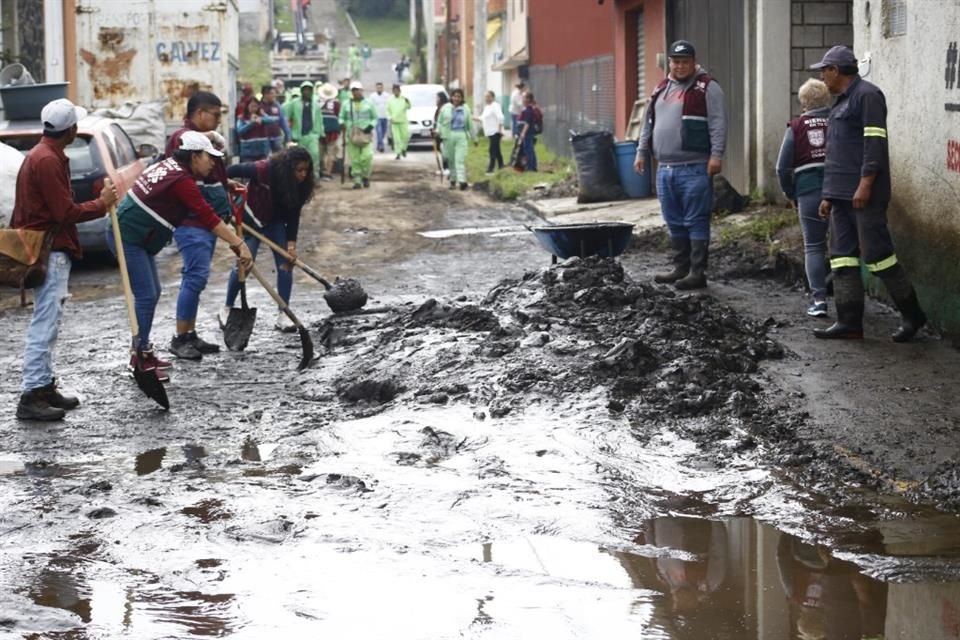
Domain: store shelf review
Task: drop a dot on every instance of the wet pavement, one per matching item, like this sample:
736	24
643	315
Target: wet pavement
495	448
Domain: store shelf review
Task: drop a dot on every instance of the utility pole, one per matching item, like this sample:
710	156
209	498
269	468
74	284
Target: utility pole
448	54
429	12
413	22
479	53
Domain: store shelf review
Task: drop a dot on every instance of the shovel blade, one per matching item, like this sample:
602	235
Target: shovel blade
239	327
307	344
152	387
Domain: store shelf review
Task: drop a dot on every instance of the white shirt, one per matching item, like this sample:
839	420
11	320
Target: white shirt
491	118
516	102
379	101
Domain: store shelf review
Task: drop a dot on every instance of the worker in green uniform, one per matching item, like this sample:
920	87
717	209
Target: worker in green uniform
455	124
334	56
357	120
398	107
305	117
355	62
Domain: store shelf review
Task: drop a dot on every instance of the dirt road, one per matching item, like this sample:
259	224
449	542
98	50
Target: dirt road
500	450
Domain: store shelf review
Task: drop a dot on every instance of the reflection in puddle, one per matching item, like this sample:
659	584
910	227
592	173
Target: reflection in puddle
149	461
737	579
9	466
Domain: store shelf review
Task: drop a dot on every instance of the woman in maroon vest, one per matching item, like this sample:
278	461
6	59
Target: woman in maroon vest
800	170
158	202
278	188
254	132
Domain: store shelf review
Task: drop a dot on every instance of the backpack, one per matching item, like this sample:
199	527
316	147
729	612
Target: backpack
331	123
537	120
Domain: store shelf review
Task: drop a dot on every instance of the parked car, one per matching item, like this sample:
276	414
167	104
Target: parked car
101	150
423	103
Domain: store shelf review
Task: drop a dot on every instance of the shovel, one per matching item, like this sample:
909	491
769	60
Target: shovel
148	381
343	295
239	325
305	341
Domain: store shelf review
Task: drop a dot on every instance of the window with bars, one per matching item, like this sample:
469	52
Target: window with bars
894	18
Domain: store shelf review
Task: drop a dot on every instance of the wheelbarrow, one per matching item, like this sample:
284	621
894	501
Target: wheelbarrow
604	239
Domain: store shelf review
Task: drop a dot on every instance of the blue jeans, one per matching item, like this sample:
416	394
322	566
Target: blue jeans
530	151
48	301
686	198
196	249
277	232
382	125
514	125
144	282
814	231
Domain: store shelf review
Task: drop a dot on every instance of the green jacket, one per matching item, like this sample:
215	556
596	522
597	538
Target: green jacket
397	108
445	121
293	111
361	115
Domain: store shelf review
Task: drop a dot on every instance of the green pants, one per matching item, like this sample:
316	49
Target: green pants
456	151
401	136
311	142
361	161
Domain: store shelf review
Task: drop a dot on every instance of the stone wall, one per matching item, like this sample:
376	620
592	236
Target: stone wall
815	27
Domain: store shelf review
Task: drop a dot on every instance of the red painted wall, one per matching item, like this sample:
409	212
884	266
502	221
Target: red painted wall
625	52
564	31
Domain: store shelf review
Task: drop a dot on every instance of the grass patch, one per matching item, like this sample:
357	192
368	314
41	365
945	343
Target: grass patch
507	184
761	228
255	64
384	33
283	17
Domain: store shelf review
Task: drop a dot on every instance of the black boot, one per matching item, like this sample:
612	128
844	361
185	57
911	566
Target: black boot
681	261
33	406
912	317
56	399
697	278
848	293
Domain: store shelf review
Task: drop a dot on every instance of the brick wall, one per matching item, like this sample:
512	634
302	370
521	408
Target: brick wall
816	26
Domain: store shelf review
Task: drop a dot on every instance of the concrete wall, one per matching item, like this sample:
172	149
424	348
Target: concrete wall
918	73
928	611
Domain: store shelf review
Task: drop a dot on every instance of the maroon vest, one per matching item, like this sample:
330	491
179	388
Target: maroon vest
272	130
694	98
260	197
809	142
255	132
151	192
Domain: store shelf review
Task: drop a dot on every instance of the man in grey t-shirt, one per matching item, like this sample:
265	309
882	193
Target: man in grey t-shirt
686	129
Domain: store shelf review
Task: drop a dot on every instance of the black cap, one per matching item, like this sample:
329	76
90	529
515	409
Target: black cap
682	49
837	56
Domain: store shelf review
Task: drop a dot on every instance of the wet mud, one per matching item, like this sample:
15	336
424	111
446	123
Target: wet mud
494	448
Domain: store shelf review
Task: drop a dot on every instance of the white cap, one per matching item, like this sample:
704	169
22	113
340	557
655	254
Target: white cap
196	141
356	84
61	114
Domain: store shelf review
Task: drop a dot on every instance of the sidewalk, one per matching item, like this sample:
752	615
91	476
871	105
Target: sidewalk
644	213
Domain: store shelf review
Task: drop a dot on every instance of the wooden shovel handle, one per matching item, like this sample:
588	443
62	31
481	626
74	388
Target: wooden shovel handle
124	275
276	297
310	271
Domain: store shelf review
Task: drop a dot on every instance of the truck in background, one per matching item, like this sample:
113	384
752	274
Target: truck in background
146	50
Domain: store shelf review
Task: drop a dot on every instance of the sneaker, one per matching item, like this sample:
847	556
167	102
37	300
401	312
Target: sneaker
453	185
183	348
326	178
398	156
357	185
56	399
463	186
202	345
489	173
366	183
404	154
161	364
148	362
817	310
284	323
33	406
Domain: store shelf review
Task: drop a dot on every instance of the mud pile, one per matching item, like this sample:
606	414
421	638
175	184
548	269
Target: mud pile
566	331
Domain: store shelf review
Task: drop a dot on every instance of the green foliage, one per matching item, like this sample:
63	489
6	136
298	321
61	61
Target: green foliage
507	184
255	64
384	33
380	8
761	227
283	18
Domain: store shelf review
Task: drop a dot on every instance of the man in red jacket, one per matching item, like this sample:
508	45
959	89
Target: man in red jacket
44	201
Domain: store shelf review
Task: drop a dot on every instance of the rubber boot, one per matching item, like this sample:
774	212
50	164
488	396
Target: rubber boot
697	278
33	406
681	261
848	296
912	317
55	399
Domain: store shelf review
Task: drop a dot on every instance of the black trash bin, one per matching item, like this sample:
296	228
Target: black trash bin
597	172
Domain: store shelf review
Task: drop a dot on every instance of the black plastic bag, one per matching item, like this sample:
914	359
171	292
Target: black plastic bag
596	167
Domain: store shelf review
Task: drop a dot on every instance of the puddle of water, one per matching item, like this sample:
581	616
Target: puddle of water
149	461
472	231
10	466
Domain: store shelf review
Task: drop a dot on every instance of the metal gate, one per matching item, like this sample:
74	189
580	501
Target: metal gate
716	29
578	97
641	57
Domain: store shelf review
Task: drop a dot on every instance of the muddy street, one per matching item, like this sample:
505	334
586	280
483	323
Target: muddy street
496	447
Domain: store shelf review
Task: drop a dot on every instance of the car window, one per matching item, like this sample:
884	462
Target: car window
84	158
125	151
421	96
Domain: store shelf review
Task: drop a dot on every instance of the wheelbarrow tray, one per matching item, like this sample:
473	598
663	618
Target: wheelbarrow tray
604	239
